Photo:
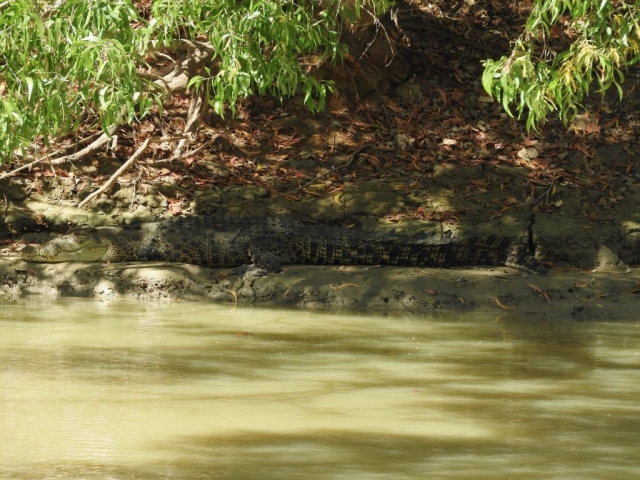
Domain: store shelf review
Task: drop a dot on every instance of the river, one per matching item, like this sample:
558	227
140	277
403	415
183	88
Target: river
159	390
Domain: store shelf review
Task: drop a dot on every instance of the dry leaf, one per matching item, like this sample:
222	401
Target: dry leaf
341	286
540	291
536	288
502	305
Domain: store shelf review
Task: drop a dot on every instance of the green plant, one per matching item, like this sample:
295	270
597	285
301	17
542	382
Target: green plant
63	64
604	39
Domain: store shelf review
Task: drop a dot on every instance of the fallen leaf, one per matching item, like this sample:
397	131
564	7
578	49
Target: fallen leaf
234	295
443	95
431	292
405	141
502	305
528	153
341	286
535	287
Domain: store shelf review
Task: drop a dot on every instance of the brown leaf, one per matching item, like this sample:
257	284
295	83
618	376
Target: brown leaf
502	305
341	286
535	287
443	95
373	161
540	291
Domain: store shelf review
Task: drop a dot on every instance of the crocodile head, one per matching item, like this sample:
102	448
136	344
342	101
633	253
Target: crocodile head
74	247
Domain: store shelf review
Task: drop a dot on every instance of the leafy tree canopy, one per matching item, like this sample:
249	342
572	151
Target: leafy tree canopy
69	63
72	62
568	49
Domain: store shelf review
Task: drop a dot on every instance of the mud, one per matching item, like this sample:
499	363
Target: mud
278	160
578	295
590	277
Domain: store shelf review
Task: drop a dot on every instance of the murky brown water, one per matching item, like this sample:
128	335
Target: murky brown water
194	391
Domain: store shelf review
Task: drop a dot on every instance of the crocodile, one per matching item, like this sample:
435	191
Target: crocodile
270	243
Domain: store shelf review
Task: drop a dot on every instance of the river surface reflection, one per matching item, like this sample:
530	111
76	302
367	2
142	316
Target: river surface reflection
128	390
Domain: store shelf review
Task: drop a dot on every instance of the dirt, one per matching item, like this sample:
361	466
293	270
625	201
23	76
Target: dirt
588	279
424	161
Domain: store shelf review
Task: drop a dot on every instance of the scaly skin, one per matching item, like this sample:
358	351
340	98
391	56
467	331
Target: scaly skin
270	243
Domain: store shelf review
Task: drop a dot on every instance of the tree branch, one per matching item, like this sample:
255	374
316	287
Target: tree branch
109	183
88	150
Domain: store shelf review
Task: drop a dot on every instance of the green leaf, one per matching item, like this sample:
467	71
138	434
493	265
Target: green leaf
29	82
81	57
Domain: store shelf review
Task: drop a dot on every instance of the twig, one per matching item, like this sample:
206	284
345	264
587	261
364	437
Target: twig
524	177
109	183
88	150
193	117
190	152
174	81
553	180
547	192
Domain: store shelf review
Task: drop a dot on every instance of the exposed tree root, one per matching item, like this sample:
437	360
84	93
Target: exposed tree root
172	80
89	150
190	152
109	183
193	120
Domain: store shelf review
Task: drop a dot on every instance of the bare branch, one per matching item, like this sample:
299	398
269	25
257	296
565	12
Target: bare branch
109	183
190	152
174	81
85	152
193	119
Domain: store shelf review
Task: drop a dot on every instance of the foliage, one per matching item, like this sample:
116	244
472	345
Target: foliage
61	62
57	60
605	39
